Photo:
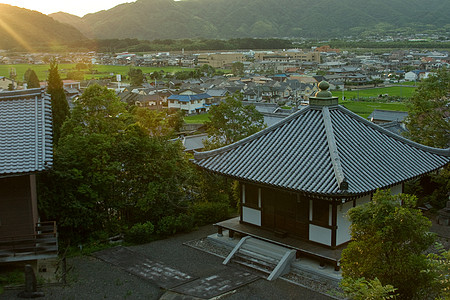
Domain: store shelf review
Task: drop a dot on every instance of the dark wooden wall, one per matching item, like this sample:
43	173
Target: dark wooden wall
17	210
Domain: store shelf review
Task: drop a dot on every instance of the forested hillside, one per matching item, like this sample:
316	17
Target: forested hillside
27	29
161	19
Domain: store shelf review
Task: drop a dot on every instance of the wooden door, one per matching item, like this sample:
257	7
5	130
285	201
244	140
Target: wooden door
285	211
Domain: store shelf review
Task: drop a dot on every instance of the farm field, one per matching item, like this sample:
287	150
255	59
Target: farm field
197	119
395	91
102	70
364	109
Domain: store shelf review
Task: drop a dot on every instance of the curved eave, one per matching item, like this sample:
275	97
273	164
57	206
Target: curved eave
316	149
341	194
206	154
438	151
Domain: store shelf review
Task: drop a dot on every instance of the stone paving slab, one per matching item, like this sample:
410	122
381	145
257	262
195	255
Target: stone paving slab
140	265
215	285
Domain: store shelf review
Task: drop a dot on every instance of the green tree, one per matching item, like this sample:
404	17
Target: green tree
60	107
231	121
388	241
429	108
31	79
136	77
362	289
109	173
237	68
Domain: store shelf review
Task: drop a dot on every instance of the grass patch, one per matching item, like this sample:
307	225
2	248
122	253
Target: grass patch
393	91
364	109
197	119
101	70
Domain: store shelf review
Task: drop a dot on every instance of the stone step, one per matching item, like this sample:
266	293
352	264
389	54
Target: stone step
257	261
258	256
265	249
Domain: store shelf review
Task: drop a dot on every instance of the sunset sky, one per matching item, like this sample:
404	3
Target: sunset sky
79	8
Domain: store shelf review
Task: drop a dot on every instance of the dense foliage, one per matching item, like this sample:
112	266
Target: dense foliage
108	172
429	109
231	121
60	107
389	238
116	170
428	124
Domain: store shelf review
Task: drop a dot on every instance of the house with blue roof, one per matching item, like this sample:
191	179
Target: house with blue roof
191	101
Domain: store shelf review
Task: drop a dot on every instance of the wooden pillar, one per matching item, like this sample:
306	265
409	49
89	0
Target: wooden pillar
333	224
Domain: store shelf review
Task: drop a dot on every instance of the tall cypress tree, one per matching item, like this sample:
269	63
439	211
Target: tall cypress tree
60	107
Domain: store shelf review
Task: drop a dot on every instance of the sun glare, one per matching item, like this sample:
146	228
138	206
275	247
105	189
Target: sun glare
14	35
79	8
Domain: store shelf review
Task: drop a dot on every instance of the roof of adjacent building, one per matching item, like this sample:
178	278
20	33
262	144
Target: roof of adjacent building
194	142
388	115
187	98
324	149
25	131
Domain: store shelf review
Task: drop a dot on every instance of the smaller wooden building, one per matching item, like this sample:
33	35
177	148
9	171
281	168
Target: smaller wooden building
25	149
299	177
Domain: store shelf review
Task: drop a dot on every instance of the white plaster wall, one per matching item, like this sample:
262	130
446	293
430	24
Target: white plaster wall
343	223
363	199
320	235
252	216
397	189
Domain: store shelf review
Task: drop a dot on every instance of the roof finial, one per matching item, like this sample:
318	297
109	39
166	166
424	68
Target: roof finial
323	97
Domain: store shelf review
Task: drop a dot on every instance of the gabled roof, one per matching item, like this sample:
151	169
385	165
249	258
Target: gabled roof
25	132
324	149
388	115
187	98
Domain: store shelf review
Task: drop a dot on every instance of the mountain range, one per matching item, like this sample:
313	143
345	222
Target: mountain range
27	29
223	19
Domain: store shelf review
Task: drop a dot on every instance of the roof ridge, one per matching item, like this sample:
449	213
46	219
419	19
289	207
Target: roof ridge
334	153
438	151
206	154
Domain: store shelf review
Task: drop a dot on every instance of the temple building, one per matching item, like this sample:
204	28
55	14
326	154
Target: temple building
299	177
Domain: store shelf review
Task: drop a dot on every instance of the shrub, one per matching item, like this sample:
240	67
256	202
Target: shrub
170	225
209	212
140	233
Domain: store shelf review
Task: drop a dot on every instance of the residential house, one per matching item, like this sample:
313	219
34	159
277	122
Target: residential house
6	82
218	95
299	177
25	149
191	101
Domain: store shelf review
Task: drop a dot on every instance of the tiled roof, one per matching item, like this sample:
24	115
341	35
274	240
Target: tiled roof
388	115
324	150
25	132
187	98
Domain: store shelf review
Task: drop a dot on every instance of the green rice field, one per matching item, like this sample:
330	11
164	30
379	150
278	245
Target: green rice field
101	70
197	119
396	91
364	109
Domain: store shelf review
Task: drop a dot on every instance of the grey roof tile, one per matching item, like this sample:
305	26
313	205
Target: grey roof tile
25	132
299	153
